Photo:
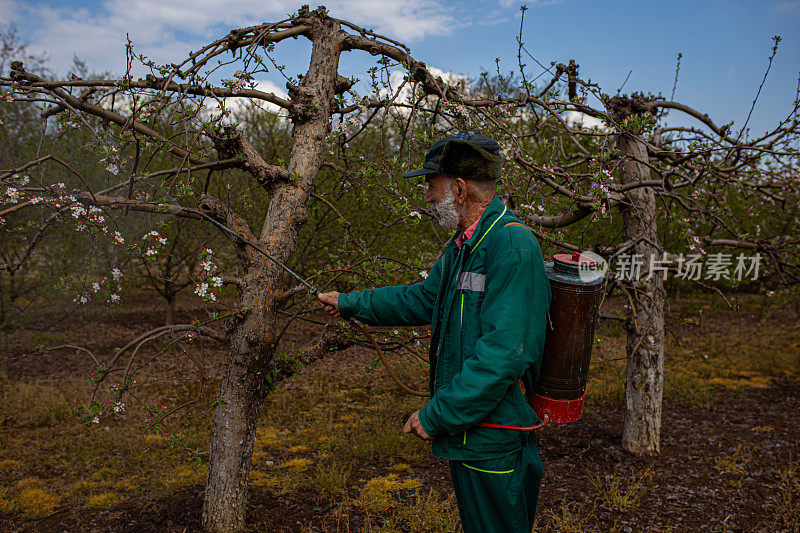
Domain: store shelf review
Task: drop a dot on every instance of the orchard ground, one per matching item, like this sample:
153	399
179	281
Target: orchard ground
331	456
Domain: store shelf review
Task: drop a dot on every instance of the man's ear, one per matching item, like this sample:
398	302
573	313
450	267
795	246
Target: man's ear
459	188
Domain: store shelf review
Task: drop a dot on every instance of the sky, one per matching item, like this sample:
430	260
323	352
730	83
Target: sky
725	45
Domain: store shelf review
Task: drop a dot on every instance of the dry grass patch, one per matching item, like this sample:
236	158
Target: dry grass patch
31	404
11	465
185	475
618	493
267	437
400	467
331	477
734	462
299	464
566	518
426	513
104	499
30	498
375	496
787	513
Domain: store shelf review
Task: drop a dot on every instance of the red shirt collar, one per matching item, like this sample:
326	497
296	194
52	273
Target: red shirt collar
467	233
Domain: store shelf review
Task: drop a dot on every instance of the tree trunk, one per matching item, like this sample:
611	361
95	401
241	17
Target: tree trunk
644	383
171	296
234	427
247	376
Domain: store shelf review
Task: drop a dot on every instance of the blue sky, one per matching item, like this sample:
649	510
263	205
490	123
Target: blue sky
725	44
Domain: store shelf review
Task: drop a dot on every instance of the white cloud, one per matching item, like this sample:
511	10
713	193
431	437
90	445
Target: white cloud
576	119
404	20
167	30
236	104
396	80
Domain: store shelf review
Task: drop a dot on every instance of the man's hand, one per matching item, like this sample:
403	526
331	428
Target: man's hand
331	302
414	426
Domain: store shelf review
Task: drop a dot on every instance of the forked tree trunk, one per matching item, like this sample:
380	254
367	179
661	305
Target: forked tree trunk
252	336
644	382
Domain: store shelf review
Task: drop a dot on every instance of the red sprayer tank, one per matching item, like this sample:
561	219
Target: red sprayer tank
577	284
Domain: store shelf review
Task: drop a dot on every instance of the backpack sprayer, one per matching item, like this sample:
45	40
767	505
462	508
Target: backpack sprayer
576	283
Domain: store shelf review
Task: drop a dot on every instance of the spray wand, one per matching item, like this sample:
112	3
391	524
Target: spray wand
315	291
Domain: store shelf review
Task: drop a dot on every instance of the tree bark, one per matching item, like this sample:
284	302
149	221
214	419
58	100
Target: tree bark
248	374
170	297
644	383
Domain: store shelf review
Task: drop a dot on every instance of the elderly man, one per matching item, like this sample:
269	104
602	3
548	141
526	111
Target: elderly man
486	300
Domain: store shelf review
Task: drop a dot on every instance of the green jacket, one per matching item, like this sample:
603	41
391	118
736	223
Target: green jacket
487	306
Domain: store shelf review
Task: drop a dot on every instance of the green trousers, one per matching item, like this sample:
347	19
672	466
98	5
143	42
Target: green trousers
499	494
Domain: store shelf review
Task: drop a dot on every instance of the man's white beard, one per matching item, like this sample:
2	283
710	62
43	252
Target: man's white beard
447	211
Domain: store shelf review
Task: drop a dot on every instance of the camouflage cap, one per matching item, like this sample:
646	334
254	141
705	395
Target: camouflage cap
464	155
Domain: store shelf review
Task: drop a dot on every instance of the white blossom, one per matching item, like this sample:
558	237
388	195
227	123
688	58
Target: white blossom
95	287
13	194
116	274
216	281
201	289
115	298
